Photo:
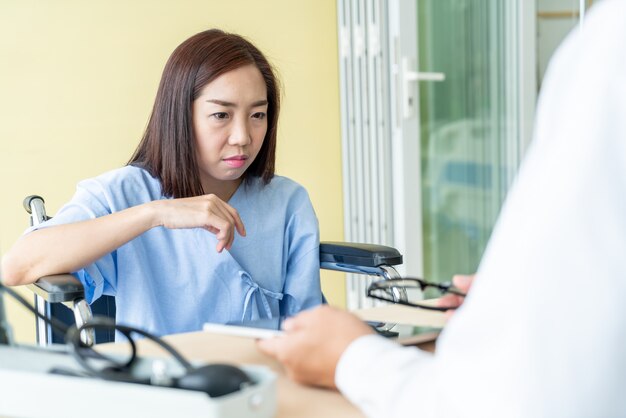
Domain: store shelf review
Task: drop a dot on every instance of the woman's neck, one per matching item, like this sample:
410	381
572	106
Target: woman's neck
220	188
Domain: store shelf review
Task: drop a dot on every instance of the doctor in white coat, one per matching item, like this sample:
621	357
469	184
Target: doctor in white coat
542	332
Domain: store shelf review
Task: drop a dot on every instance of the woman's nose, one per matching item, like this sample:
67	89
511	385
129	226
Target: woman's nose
240	134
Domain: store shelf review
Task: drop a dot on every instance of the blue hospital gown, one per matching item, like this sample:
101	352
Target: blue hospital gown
173	280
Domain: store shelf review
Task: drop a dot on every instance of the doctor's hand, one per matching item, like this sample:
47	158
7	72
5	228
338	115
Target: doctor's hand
313	343
206	211
463	283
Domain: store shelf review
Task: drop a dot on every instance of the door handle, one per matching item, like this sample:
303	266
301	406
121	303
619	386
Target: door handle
409	92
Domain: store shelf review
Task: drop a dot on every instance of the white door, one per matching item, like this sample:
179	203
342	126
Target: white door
438	100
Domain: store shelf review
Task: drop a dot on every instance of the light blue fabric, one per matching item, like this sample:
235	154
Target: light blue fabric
169	281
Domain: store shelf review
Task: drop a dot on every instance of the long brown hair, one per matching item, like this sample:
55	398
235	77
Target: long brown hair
168	148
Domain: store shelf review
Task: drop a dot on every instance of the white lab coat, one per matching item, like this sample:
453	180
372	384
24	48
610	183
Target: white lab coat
543	331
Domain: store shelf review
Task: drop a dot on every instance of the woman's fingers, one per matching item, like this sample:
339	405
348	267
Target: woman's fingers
212	229
208	212
237	220
221	218
225	230
223	211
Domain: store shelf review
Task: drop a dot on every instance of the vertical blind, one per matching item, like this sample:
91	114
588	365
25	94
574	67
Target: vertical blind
365	130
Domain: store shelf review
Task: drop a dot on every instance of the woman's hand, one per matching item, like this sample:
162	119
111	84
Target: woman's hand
206	211
463	283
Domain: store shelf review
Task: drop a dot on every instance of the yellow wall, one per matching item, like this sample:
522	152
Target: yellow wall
77	81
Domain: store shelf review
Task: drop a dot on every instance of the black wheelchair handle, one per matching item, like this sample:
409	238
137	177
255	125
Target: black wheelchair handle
366	255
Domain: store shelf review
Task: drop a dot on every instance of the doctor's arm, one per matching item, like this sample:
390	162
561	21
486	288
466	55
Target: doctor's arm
331	348
318	338
314	342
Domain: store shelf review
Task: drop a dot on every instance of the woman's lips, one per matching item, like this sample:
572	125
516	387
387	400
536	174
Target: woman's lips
236	161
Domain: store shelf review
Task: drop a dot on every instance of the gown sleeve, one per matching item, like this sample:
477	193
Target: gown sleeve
90	201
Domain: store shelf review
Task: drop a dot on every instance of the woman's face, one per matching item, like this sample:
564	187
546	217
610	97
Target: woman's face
229	123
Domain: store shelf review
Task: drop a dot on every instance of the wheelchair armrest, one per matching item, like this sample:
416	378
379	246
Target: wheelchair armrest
361	255
58	288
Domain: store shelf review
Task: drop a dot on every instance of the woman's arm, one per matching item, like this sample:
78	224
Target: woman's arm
69	247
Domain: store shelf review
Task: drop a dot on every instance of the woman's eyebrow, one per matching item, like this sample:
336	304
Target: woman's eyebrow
231	104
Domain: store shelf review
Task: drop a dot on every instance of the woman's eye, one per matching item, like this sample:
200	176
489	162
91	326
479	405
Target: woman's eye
220	115
259	115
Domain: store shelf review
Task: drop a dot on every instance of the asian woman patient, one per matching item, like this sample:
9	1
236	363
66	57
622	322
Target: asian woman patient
196	227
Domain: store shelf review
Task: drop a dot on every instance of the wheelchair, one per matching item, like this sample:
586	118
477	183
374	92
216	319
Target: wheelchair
62	296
